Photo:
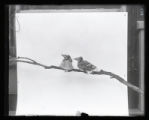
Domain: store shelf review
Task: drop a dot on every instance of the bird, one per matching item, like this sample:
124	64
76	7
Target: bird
84	65
66	63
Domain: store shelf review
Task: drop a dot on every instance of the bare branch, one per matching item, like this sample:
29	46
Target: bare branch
101	72
120	79
33	63
27	58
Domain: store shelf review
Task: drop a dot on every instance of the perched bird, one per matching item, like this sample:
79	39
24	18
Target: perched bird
84	65
66	63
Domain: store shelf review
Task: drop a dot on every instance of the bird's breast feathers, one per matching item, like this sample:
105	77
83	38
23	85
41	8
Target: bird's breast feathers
67	65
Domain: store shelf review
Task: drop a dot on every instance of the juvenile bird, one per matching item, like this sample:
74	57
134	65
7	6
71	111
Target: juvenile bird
84	65
66	63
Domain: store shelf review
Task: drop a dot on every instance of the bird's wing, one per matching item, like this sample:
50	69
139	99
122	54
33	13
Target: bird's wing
88	64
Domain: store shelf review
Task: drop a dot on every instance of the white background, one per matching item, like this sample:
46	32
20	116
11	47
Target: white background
100	37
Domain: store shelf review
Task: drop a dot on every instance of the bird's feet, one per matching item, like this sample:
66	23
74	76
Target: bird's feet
90	72
85	72
67	70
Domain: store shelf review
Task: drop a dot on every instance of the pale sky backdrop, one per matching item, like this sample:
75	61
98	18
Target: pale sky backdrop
99	37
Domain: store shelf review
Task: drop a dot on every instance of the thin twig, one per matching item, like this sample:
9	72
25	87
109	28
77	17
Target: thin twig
101	72
33	63
26	58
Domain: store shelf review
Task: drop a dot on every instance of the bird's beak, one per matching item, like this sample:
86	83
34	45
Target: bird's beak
63	55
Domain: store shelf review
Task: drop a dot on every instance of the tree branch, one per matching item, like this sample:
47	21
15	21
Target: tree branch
26	58
101	72
120	79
